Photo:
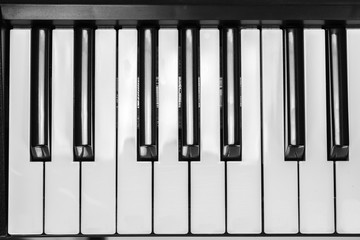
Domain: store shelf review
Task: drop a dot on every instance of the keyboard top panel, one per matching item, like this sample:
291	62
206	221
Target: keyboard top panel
177	12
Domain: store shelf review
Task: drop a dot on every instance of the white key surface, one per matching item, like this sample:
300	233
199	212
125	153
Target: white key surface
62	173
347	173
244	177
207	175
25	207
280	176
170	175
316	173
98	206
134	178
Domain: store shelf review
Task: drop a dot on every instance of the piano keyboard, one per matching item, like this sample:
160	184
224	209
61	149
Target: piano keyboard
185	130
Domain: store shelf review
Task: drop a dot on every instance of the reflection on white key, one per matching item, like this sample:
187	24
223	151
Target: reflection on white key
62	173
280	176
244	177
207	176
134	178
348	173
316	173
98	178
25	177
170	175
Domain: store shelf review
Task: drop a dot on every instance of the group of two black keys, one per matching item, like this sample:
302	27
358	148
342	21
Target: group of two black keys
189	105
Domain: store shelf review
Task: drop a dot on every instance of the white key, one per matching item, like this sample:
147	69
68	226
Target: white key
316	173
62	173
99	177
207	176
244	177
280	176
170	175
347	173
134	178
25	177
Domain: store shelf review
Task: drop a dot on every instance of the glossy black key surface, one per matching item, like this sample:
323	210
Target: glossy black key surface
40	94
337	95
83	94
231	95
148	107
189	111
294	109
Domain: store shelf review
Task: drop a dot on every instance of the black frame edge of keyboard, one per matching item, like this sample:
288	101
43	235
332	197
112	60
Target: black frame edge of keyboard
187	2
152	235
4	123
177	12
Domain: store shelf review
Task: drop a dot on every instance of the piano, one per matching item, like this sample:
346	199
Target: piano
179	118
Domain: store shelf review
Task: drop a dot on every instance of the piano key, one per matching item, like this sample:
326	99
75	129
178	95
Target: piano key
83	94
134	178
347	173
190	131
147	94
40	94
99	177
244	177
280	177
231	108
294	94
337	107
207	175
316	173
25	200
62	173
170	175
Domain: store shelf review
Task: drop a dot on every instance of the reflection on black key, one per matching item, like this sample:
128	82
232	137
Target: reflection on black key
148	112
83	94
294	94
189	114
231	106
40	94
337	97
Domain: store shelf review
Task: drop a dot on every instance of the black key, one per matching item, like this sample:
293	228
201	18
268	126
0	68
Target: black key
148	111
40	94
337	96
294	94
189	112
231	95
83	94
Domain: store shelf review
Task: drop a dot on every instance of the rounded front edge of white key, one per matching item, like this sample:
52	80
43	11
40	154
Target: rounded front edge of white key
170	225
236	229
110	229
58	230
